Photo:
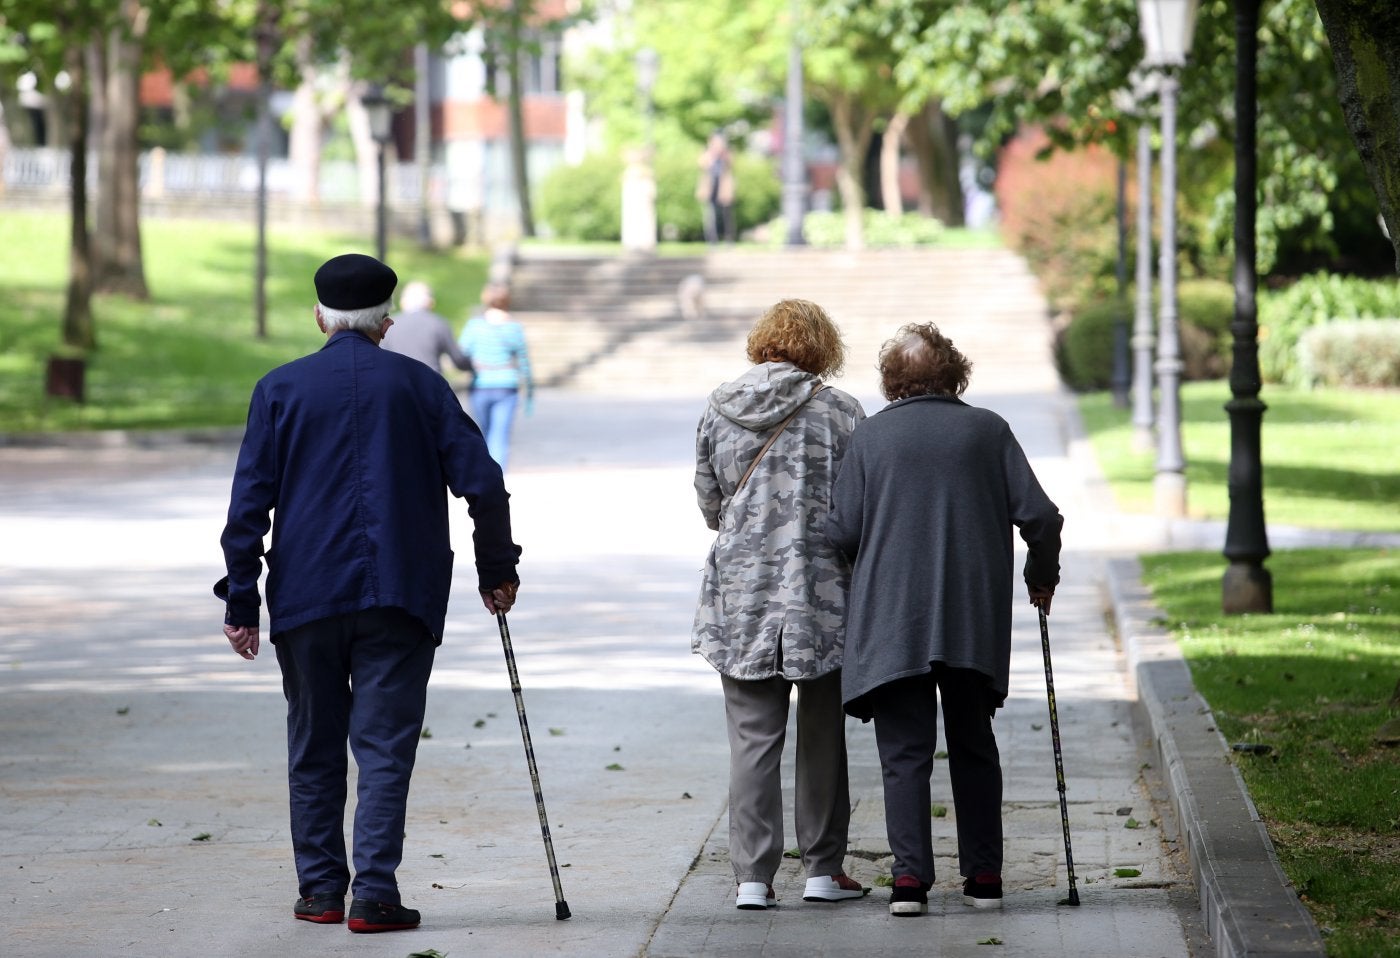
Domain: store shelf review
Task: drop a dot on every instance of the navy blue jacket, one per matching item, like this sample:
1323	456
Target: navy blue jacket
355	448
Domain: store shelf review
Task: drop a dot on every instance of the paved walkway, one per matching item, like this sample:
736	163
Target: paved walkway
142	789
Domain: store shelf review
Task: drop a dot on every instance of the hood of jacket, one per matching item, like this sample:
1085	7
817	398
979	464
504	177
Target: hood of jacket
764	396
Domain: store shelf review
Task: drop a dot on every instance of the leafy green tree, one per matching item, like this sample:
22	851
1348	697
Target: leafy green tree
720	62
52	38
848	63
512	30
1365	40
1063	64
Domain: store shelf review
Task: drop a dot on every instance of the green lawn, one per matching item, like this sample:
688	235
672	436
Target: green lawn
1331	456
1313	682
189	357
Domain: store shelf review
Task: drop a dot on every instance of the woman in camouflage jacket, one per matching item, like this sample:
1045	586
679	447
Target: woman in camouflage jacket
773	600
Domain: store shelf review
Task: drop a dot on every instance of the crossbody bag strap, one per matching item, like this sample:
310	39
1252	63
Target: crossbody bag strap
774	438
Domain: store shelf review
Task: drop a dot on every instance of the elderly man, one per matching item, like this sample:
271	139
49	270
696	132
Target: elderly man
355	448
421	333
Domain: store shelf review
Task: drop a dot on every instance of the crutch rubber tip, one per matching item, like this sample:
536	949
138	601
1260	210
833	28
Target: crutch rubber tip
561	910
1073	899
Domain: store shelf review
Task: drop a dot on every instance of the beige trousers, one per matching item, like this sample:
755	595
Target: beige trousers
757	713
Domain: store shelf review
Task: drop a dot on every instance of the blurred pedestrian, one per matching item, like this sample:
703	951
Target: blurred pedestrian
773	596
419	332
716	189
495	343
353	449
924	506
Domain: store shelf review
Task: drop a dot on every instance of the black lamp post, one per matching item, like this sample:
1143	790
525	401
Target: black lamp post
1248	586
380	112
1167	26
794	169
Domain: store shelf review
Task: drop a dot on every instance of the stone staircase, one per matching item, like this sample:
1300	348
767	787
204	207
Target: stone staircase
614	324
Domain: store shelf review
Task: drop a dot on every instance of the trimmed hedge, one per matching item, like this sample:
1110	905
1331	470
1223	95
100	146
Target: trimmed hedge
584	202
1315	300
1364	352
1205	308
826	229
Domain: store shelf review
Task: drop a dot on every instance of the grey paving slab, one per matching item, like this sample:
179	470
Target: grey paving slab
142	764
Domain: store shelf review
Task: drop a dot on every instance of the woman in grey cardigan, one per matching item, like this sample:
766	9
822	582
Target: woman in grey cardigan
924	506
773	599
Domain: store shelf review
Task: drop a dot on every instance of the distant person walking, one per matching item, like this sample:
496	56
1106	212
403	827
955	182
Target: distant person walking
495	343
353	450
419	332
924	506
773	597
715	190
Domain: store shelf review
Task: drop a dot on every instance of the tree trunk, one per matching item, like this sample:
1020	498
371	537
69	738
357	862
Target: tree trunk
517	122
933	135
102	202
891	196
854	127
119	264
78	328
308	119
4	143
1365	40
423	139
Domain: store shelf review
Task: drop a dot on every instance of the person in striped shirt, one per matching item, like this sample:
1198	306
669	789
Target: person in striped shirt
495	343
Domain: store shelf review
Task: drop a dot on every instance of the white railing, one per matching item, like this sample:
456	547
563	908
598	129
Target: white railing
190	176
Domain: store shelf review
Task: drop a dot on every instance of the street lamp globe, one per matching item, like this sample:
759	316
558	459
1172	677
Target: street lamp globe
1167	27
380	111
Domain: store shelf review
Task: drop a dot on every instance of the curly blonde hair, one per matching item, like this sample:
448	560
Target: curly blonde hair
921	361
799	332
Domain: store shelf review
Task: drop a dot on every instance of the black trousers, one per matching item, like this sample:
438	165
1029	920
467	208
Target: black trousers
362	678
906	731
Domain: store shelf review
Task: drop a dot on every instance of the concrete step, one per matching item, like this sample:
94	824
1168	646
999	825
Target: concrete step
613	324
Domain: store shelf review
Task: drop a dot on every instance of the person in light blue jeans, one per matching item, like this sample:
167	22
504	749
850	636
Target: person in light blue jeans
496	345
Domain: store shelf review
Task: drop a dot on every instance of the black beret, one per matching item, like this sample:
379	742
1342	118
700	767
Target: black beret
354	281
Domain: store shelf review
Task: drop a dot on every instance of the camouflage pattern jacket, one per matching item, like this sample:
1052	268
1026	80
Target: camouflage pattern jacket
773	597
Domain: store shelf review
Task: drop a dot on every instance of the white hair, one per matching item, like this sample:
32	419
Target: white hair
366	319
415	296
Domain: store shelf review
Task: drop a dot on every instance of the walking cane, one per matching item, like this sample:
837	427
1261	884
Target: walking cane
561	907
1059	759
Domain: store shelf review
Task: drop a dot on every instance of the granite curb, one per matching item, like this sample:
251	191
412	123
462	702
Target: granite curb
1249	906
124	438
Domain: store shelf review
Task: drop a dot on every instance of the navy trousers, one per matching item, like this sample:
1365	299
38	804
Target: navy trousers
906	730
362	678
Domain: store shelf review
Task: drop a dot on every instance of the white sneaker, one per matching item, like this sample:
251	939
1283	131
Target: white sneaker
833	888
755	895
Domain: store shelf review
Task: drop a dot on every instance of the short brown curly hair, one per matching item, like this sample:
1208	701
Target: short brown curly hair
921	361
496	296
799	332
